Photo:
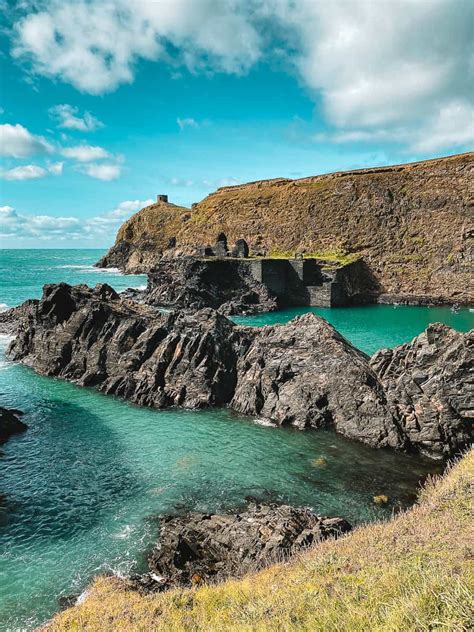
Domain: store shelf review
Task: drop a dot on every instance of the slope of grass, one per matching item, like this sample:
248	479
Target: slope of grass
414	572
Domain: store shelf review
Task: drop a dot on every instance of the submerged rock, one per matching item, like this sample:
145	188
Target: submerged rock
199	547
10	423
303	374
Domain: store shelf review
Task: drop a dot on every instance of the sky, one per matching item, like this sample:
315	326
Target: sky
106	103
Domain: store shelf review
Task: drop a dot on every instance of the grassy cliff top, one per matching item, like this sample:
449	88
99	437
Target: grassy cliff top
414	572
413	224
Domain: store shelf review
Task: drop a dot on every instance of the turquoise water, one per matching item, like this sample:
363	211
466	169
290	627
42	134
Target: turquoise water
81	489
24	272
373	327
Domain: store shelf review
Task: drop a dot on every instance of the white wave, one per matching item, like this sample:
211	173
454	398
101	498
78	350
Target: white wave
264	422
140	287
124	533
91	268
3	307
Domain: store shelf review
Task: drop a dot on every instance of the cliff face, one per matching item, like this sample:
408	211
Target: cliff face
412	223
142	238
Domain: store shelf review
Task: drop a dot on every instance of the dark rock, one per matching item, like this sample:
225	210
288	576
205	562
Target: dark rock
10	319
429	384
200	548
303	373
192	283
10	424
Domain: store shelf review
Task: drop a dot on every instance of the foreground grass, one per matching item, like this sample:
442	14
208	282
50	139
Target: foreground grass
414	572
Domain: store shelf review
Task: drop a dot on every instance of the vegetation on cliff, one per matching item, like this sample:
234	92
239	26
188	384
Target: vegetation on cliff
412	223
414	572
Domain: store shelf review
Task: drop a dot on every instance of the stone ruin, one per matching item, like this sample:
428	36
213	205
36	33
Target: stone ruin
220	250
161	197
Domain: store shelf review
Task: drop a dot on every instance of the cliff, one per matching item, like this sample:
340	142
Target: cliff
412	223
142	238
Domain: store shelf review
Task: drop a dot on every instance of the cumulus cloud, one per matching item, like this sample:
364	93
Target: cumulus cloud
46	227
85	153
68	117
16	141
101	171
381	70
95	45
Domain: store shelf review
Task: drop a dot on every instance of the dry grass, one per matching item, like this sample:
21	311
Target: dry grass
414	572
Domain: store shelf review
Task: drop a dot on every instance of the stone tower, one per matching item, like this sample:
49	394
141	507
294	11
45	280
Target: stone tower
161	197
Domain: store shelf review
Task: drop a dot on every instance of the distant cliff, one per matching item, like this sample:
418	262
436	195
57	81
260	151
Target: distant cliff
412	223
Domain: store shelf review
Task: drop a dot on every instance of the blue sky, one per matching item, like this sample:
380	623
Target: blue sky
104	106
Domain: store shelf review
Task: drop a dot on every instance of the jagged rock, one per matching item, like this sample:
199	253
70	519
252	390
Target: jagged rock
303	373
10	423
192	283
10	319
307	375
198	547
429	383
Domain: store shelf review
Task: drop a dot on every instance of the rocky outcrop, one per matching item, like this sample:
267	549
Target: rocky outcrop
429	383
144	237
11	318
200	548
10	423
385	215
303	373
193	283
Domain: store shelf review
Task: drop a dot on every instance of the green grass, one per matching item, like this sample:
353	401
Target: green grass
412	573
332	256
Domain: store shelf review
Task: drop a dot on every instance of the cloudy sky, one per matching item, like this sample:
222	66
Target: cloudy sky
105	103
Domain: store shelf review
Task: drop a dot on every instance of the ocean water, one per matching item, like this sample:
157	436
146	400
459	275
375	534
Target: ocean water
80	491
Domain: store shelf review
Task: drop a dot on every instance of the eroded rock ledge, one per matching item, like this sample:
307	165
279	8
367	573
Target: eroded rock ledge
213	547
303	373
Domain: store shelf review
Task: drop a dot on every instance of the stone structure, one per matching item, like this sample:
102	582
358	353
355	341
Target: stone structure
161	197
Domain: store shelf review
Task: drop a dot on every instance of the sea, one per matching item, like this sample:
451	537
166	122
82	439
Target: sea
81	491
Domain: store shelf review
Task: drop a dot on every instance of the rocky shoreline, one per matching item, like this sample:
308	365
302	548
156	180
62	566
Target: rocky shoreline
417	397
201	548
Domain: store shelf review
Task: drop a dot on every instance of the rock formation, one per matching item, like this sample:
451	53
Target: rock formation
187	282
303	373
384	214
429	382
10	423
197	547
143	238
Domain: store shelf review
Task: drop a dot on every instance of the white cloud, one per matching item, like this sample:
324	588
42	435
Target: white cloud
381	70
67	117
56	168
186	122
24	172
85	153
95	45
18	142
101	171
47	227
